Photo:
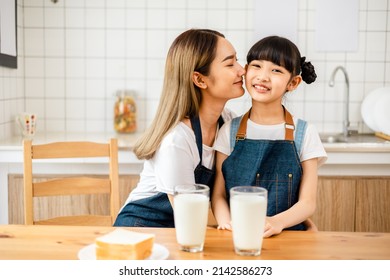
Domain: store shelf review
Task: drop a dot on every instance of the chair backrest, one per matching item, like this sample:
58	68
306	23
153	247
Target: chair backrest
75	185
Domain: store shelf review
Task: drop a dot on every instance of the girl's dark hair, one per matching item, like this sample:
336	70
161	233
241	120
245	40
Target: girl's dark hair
285	53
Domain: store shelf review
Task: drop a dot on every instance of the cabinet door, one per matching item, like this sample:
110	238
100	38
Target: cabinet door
335	204
373	205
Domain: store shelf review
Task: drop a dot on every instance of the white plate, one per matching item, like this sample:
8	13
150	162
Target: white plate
368	107
159	252
382	113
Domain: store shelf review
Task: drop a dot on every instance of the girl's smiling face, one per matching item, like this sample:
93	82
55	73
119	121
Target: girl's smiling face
267	82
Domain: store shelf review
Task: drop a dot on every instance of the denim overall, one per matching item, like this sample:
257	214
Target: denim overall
272	164
156	211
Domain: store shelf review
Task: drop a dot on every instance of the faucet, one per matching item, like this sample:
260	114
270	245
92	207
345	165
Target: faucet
346	125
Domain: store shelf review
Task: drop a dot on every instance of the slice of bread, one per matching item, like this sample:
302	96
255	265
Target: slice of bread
122	244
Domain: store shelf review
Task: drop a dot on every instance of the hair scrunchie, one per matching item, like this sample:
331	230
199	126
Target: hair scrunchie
308	73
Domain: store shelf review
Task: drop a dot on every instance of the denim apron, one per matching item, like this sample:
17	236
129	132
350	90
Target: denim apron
272	164
156	211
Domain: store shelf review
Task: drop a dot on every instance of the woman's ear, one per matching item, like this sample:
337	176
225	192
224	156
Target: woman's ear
294	83
198	80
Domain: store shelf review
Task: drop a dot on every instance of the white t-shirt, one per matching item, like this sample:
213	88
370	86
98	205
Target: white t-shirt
311	147
174	162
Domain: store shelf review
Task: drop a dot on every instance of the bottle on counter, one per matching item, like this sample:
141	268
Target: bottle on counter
125	112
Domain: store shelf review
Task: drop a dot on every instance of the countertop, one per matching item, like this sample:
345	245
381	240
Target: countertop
127	141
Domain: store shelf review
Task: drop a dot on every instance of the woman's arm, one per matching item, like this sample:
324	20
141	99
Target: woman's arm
305	206
219	203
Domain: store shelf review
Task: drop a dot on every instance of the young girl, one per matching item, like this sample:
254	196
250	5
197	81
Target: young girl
201	75
268	147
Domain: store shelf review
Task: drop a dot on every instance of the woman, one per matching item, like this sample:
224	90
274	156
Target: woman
201	75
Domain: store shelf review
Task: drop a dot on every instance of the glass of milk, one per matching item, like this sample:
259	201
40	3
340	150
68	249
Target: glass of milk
191	206
248	209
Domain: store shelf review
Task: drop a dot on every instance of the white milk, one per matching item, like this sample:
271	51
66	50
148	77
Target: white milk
191	213
248	218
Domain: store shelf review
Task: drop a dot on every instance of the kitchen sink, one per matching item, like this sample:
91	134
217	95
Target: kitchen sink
353	138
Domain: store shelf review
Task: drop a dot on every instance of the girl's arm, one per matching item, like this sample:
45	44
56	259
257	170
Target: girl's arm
305	206
219	203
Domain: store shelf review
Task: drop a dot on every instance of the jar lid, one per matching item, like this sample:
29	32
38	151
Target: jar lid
123	93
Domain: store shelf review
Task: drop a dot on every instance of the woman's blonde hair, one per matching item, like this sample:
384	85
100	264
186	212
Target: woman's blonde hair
193	50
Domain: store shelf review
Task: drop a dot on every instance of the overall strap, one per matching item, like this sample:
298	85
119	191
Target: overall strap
238	129
241	133
195	123
289	125
233	131
300	134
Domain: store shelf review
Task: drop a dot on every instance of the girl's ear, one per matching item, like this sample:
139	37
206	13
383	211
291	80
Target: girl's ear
294	83
198	80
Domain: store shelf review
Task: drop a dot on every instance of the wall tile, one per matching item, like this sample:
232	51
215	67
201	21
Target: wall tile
75	68
95	88
35	87
75	88
34	67
376	20
216	19
54	109
95	43
135	44
55	67
156	18
75	18
176	18
75	43
156	44
95	68
55	88
115	18
33	17
54	17
95	18
35	42
115	43
54	42
196	19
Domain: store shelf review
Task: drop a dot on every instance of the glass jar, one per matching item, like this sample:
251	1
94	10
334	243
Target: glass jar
125	112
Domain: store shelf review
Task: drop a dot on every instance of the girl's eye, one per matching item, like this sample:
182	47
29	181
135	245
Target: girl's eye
277	71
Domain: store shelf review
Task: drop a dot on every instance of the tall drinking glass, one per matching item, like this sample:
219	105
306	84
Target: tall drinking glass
191	205
248	208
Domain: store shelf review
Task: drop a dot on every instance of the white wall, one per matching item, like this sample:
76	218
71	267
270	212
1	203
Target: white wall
75	54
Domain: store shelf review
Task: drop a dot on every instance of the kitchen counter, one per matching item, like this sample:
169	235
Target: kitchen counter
361	154
344	159
125	141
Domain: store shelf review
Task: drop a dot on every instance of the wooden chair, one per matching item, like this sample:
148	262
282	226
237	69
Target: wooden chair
75	185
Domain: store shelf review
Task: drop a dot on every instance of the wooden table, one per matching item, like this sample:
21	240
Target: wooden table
64	242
